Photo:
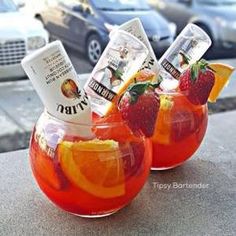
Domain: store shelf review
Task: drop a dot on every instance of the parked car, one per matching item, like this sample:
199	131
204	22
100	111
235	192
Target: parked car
19	36
85	24
216	17
31	7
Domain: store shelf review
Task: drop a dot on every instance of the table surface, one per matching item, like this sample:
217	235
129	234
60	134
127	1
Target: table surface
179	210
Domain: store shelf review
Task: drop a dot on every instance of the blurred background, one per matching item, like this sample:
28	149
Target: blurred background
83	26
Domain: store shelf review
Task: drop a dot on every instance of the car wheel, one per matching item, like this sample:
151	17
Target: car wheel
94	49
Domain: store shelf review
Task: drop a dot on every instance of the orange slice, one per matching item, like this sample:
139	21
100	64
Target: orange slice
222	76
95	166
162	130
144	75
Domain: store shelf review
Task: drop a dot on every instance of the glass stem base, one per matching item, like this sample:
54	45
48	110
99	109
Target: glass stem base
94	216
166	168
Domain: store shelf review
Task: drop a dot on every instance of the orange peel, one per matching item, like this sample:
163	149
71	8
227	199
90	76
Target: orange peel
222	73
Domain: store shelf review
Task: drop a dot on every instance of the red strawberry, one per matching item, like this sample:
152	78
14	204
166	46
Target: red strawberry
197	81
139	107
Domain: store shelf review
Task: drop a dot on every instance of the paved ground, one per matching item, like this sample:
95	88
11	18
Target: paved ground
20	107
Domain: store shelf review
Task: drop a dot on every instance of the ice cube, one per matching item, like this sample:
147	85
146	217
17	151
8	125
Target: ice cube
169	84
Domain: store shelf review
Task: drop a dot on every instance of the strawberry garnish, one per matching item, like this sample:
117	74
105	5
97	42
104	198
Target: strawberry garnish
197	81
139	107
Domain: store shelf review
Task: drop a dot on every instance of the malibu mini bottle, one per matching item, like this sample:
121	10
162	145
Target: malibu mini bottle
55	80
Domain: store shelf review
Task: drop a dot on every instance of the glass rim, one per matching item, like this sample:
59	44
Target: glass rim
177	94
172	92
86	125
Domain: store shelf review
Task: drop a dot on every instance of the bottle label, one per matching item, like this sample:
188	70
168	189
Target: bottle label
55	81
101	90
170	69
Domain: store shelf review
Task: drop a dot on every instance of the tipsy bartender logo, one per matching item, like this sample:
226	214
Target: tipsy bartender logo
71	91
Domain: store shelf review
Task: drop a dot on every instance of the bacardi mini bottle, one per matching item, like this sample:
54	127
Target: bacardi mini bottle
121	59
189	46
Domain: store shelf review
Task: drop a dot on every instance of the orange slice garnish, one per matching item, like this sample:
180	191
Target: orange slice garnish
163	124
96	166
145	75
222	75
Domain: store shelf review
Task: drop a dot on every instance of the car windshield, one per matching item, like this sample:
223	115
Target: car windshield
217	2
120	5
7	6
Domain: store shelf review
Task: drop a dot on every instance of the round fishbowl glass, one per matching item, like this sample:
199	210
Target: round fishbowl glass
179	130
89	170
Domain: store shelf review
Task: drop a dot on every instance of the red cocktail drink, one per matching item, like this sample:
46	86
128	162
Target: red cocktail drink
179	130
93	176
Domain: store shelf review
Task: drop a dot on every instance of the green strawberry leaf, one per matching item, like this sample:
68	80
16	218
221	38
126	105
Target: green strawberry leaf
203	65
203	62
133	97
194	72
118	74
155	85
138	88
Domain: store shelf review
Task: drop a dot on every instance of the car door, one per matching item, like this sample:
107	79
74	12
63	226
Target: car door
76	21
53	17
177	11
